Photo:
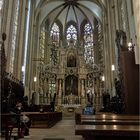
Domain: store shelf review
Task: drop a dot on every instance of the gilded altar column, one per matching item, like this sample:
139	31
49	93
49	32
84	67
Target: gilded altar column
82	88
46	91
83	92
59	91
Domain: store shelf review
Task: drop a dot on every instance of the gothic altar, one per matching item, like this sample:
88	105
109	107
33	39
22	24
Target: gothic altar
67	79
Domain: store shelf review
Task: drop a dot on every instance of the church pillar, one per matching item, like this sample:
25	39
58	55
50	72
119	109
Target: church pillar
64	87
113	28
82	87
19	50
106	53
59	91
136	40
47	41
111	23
104	84
31	53
110	27
29	50
83	92
96	42
135	11
45	91
6	26
79	87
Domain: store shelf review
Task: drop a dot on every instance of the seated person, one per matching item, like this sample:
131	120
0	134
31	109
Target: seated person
89	110
25	122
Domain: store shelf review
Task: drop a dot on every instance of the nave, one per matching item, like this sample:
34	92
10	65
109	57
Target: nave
64	129
61	56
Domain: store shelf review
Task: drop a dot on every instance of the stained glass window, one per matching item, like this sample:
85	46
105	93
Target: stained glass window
52	88
14	35
55	34
71	34
1	5
123	16
88	44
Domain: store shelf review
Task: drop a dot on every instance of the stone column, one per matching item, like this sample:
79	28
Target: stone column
59	91
45	91
79	87
135	10
63	85
82	88
83	92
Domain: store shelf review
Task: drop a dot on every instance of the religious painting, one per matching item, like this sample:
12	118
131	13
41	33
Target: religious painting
71	60
71	85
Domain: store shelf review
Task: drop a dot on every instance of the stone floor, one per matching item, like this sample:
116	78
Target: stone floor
63	130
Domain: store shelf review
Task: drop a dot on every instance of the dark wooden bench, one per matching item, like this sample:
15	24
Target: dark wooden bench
109	132
44	119
109	119
108	126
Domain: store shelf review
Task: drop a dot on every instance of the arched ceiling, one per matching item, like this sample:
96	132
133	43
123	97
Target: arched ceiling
69	10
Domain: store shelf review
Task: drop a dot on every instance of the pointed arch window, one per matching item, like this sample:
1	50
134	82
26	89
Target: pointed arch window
14	35
55	34
1	4
71	34
1	7
88	44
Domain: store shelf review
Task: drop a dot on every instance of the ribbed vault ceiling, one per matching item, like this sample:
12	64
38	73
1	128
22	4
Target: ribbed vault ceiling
69	10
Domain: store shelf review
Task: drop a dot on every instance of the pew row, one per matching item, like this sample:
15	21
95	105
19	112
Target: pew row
109	132
44	119
107	119
110	119
107	126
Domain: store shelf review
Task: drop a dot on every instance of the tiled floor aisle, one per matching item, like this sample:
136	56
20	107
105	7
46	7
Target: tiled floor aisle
63	129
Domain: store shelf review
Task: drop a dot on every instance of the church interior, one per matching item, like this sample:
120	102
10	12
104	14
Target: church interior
60	57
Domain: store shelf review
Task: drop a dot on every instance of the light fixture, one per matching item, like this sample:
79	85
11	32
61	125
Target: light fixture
103	78
23	69
35	79
113	67
130	46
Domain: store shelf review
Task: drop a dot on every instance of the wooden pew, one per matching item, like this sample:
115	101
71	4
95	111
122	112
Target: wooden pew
109	119
77	118
108	126
44	119
109	132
